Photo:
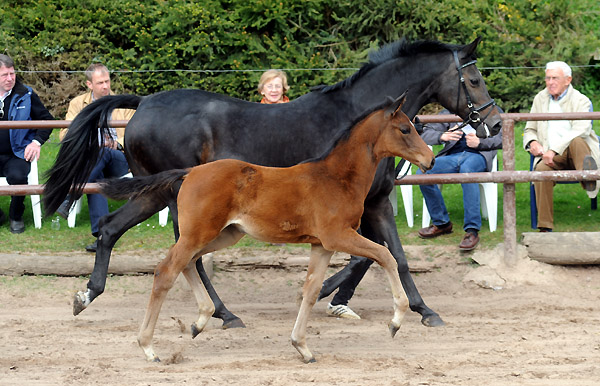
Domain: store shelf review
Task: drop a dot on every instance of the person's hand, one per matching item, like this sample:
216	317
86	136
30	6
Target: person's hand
473	140
548	157
448	136
32	152
535	148
111	143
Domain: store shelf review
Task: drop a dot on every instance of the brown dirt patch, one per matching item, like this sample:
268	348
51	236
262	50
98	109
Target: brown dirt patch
532	324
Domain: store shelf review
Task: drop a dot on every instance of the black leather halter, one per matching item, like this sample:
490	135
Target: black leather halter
474	113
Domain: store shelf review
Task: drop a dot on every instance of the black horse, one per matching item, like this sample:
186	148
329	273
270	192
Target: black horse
183	128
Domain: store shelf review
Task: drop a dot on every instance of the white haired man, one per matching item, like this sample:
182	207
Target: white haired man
560	145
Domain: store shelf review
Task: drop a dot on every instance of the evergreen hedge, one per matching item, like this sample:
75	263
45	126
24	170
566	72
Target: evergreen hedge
223	45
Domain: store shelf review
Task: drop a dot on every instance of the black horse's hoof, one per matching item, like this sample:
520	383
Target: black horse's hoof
78	303
233	323
433	320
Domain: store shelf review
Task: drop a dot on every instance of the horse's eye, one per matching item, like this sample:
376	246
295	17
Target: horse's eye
474	82
405	129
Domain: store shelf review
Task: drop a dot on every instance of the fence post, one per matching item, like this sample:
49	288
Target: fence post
509	200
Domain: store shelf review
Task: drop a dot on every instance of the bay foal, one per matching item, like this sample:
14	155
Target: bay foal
319	202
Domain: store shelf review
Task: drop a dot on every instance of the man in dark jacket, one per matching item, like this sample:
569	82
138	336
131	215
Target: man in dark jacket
18	147
463	152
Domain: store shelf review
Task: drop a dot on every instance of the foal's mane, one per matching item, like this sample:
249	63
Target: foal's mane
344	134
399	49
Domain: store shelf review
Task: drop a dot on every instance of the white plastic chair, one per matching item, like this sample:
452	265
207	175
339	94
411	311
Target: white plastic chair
407	196
163	215
36	208
489	202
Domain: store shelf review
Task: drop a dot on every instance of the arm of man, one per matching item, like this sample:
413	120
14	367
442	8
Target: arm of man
579	128
39	112
432	133
530	134
485	144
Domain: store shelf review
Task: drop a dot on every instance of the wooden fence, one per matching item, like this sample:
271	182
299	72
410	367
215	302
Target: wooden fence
508	176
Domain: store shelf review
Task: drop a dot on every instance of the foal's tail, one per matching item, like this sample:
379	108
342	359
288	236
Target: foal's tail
80	149
161	183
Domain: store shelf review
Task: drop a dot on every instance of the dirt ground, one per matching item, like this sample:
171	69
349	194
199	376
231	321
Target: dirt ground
532	324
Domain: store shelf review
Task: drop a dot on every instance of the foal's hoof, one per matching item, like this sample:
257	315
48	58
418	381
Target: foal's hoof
233	323
432	320
195	330
393	329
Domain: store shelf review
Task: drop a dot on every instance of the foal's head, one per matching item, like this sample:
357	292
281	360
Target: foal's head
401	138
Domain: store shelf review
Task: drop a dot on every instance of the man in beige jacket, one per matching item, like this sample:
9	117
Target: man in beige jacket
560	145
112	162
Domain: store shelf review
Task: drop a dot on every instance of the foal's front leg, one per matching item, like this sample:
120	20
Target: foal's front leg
353	243
317	265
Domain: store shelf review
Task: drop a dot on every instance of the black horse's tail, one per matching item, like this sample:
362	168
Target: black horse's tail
80	150
157	184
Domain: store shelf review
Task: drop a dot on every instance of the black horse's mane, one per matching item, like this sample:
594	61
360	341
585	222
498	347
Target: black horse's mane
391	51
344	134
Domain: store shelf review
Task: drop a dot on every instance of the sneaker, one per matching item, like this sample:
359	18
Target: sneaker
341	311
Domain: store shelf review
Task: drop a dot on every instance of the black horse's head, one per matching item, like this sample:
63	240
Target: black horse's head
464	93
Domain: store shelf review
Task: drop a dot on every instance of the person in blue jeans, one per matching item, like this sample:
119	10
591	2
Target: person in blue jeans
463	152
112	162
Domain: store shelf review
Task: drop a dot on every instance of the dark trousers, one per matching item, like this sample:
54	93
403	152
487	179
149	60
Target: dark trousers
15	170
112	163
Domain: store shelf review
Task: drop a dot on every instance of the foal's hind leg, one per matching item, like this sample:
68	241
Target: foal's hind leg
205	305
166	272
228	237
317	265
229	319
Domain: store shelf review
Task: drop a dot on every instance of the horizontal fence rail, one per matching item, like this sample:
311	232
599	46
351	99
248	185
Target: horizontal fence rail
508	176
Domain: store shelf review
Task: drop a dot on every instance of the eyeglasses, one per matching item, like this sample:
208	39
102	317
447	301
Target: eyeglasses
553	78
273	87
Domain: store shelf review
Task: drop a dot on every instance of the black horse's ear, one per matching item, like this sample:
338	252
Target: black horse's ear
470	48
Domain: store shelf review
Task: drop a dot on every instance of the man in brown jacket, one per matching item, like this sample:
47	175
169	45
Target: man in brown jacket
112	162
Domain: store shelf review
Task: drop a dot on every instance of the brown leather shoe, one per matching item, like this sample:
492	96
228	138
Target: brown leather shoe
469	242
589	164
433	231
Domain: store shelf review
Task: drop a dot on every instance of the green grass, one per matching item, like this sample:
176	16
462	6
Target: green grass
572	213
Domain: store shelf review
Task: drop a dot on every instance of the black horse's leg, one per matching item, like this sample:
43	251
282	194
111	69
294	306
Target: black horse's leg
348	278
111	228
229	319
380	219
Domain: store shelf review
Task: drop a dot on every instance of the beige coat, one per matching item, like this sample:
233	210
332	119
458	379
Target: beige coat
79	102
573	102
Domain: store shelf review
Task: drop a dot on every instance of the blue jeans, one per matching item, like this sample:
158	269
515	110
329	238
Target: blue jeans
112	163
463	162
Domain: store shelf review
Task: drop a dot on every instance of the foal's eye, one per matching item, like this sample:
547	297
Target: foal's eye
404	129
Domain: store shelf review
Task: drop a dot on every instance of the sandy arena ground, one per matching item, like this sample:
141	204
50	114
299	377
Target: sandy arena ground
533	324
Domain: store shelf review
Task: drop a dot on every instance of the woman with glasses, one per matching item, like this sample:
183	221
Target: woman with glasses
273	86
